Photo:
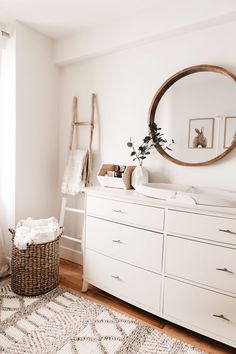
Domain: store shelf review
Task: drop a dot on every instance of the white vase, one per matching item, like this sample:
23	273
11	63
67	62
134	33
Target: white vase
139	176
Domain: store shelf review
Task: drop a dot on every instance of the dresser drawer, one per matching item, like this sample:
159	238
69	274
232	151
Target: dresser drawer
128	213
203	226
135	285
125	243
201	308
203	263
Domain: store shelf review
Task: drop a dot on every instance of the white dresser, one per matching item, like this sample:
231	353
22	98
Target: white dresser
175	261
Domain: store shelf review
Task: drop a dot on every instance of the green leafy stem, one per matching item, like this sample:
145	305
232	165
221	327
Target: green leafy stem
154	139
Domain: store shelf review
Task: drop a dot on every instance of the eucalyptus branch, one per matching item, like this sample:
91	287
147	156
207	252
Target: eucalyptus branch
134	153
154	139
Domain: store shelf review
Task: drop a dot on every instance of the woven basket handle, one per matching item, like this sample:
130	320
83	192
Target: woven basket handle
13	233
61	228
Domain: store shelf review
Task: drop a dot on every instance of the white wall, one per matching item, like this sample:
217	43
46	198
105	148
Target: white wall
29	128
125	83
36	125
152	23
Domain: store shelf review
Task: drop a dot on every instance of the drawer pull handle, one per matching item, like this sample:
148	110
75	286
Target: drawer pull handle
225	270
117	211
116	277
117	241
222	317
228	231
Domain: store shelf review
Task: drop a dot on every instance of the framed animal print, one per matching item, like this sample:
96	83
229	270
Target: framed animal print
230	131
201	133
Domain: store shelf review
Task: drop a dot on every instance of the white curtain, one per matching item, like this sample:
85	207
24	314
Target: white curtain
4	262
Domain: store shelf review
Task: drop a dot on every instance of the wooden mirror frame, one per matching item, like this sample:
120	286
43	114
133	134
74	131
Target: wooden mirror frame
161	91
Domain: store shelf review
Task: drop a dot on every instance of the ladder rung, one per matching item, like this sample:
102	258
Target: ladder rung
83	123
74	210
71	239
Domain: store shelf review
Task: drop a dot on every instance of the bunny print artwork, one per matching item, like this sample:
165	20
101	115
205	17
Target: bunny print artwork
199	140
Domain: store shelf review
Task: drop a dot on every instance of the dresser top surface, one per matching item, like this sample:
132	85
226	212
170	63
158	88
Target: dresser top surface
132	196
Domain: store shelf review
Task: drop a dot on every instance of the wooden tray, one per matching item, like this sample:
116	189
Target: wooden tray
123	182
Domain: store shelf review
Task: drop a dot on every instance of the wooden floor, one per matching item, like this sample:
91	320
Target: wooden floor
71	278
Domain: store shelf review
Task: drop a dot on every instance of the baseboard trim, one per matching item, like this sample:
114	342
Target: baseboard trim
71	255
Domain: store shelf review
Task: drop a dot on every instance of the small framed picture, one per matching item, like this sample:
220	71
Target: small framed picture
230	131
201	133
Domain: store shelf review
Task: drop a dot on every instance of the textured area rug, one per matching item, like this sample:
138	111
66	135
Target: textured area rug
61	322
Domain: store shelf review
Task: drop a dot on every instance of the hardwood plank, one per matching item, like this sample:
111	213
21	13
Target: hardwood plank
71	278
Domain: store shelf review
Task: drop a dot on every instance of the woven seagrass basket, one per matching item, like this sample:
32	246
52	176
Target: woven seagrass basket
35	271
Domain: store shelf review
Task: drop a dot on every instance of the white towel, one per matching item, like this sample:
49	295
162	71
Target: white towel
75	176
44	234
29	222
22	237
31	231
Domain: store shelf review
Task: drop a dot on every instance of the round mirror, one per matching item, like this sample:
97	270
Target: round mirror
196	108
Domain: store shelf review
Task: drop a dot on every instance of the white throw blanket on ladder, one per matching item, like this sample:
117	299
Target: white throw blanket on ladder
76	172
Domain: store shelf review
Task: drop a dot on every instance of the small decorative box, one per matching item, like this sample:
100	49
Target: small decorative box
115	176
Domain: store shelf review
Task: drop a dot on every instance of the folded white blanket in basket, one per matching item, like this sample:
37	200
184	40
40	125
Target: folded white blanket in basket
31	231
29	222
